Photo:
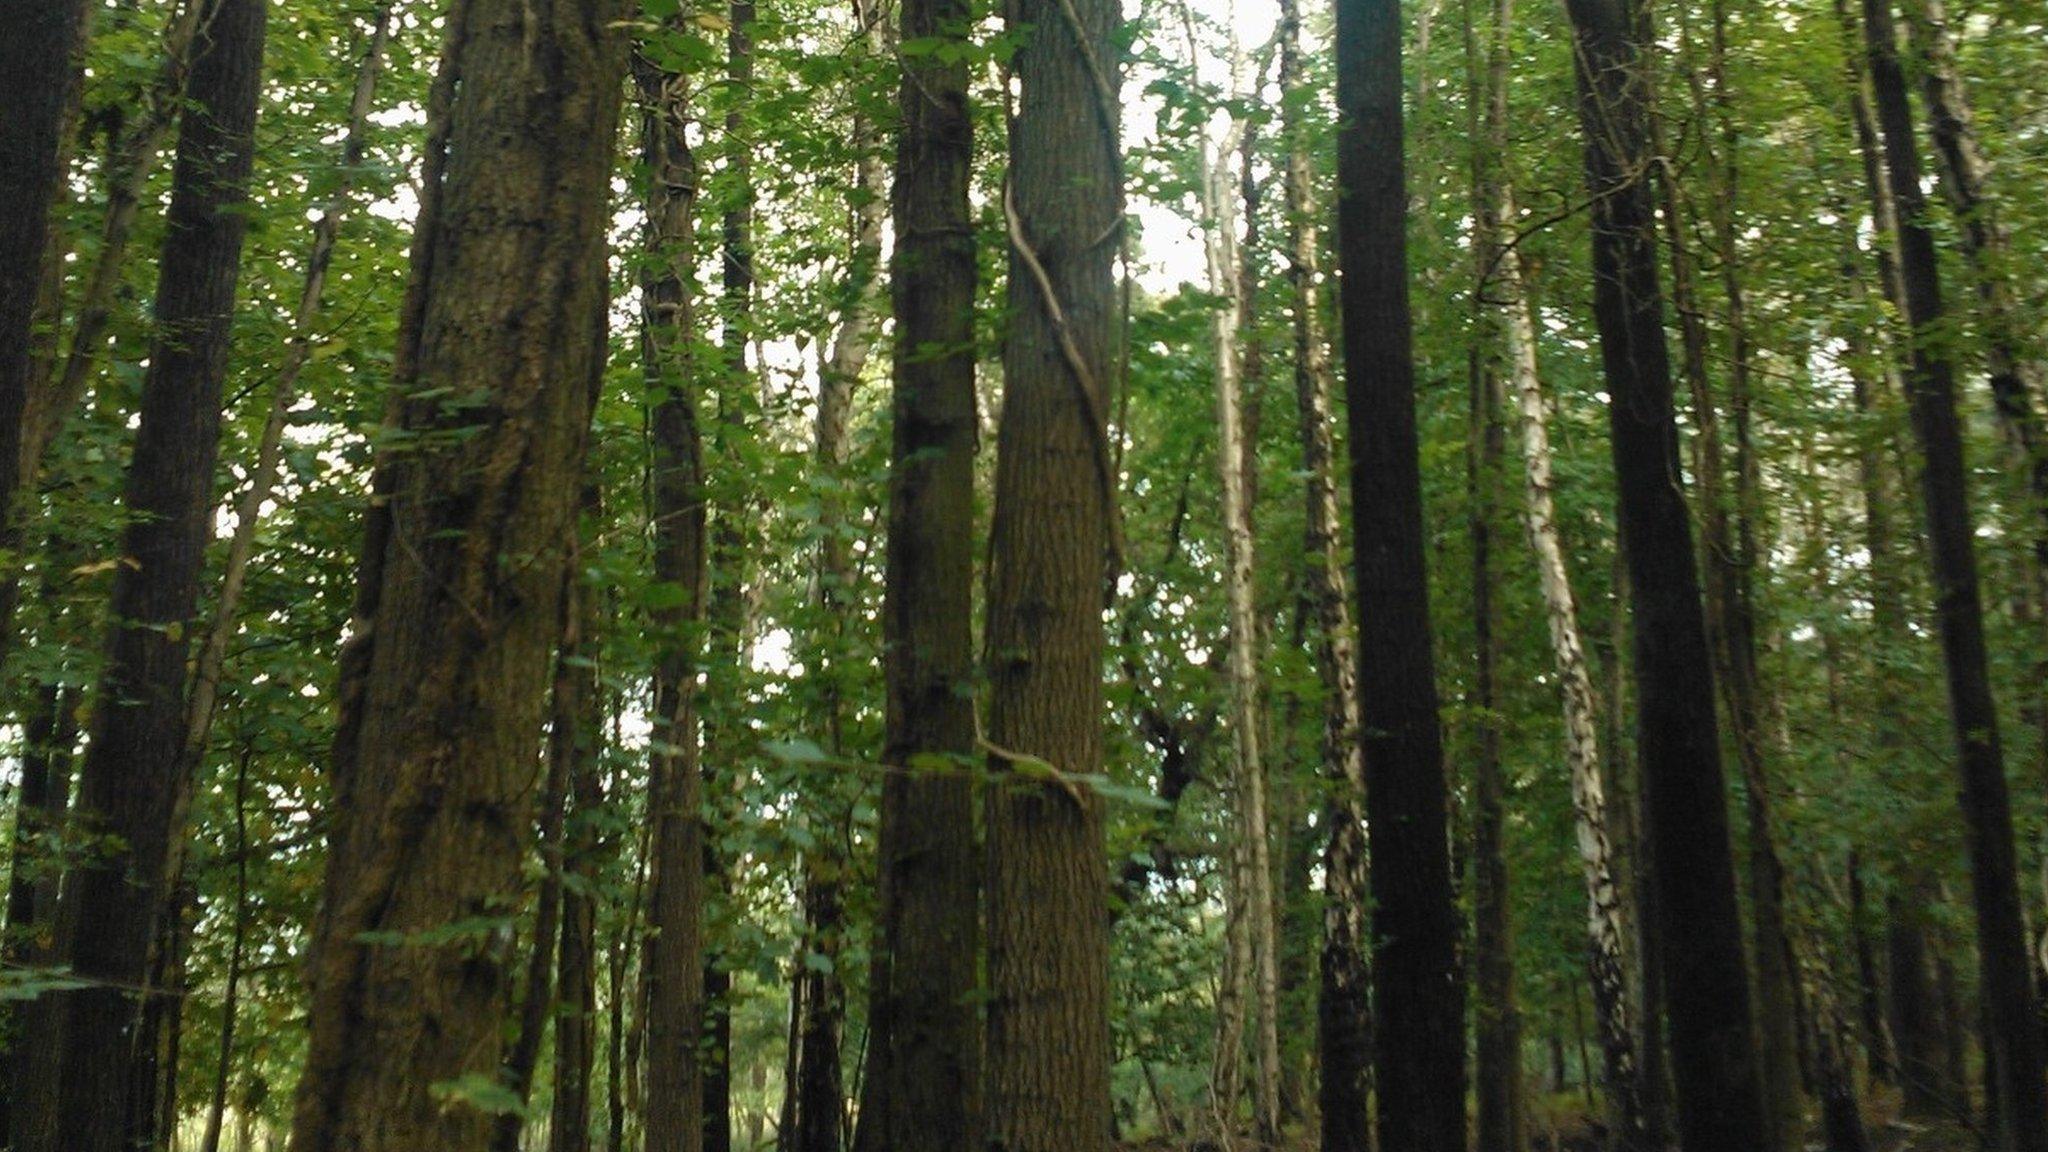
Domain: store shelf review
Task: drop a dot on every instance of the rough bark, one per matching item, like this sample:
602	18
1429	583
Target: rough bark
1048	1043
459	607
2015	1065
674	961
1418	992
120	903
1705	985
921	1092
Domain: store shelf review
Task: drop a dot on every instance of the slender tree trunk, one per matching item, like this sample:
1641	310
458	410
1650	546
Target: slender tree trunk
128	785
1496	1014
442	694
2012	1041
33	914
1343	1002
1705	986
217	1108
1419	1000
673	964
577	707
536	999
1048	1042
922	1090
1256	906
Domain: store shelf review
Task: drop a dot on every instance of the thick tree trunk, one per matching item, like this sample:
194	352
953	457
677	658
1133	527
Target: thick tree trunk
39	72
673	971
461	587
1048	1044
1418	995
129	786
2012	1041
922	1090
1705	986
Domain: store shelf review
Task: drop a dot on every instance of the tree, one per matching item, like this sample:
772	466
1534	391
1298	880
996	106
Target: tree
2015	1067
459	598
1706	987
132	785
1418	993
38	69
1047	1073
922	1092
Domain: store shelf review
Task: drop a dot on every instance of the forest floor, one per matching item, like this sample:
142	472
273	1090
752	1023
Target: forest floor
1564	1124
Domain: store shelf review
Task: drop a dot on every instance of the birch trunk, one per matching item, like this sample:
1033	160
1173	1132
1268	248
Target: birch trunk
1255	867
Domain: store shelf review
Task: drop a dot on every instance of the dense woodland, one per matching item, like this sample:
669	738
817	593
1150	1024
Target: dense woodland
924	575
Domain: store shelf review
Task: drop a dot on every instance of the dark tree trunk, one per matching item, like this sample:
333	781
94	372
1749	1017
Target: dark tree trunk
32	923
577	709
1048	1045
1418	994
2012	1042
1869	989
216	1110
39	73
460	597
536	998
1705	985
129	787
674	968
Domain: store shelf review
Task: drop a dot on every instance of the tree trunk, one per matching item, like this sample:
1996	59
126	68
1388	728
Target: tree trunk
460	601
577	707
536	999
1705	987
1234	453
1048	1042
217	1107
674	961
206	671
1343	1001
35	872
39	70
921	1093
129	789
1419	999
2012	1042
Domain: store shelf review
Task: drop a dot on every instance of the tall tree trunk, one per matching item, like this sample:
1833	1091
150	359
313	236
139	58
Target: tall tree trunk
1343	1001
35	869
459	606
129	786
727	603
217	1107
576	715
922	1090
1497	1077
1705	986
818	1089
1048	1043
1234	452
536	997
673	965
1607	933
1419	1061
2015	1065
206	671
39	70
